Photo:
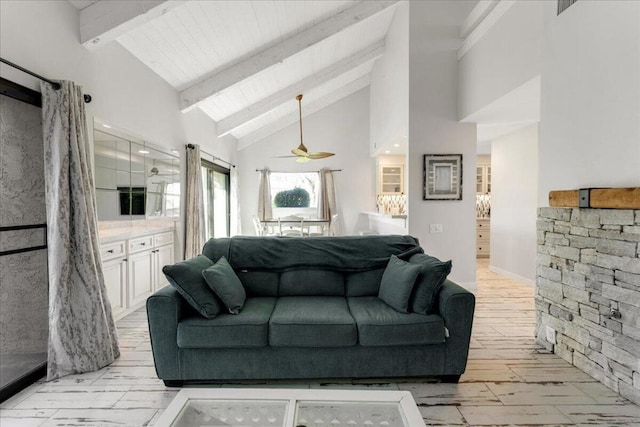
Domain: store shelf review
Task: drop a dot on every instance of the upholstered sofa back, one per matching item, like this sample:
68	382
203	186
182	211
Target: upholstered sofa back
322	266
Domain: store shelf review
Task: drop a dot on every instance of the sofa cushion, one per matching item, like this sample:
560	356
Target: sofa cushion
249	328
311	282
186	277
363	283
397	283
312	322
381	325
433	273
223	281
259	283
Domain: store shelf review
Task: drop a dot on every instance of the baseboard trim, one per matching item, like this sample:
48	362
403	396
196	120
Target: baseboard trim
512	276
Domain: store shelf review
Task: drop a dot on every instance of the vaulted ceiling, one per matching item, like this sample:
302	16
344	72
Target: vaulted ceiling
243	62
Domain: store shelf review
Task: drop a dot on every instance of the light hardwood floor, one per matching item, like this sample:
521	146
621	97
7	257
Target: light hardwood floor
509	379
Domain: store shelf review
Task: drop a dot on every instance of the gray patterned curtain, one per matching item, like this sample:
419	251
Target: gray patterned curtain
82	334
264	196
195	227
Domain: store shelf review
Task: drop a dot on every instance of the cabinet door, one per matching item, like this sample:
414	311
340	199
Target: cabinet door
141	274
115	279
391	179
163	256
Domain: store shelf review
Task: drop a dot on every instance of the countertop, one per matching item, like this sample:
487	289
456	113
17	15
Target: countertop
132	230
389	216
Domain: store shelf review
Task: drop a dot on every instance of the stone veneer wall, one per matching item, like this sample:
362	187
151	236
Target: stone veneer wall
588	262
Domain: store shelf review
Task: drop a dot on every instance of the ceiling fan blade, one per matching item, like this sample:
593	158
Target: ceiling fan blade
302	159
283	157
300	151
320	155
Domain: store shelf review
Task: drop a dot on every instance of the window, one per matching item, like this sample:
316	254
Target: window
216	185
288	188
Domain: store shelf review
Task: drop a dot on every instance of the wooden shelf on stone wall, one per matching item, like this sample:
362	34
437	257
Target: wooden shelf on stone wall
601	198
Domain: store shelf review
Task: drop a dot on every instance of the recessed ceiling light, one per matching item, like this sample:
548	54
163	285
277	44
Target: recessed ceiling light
387	152
107	126
396	145
175	151
143	152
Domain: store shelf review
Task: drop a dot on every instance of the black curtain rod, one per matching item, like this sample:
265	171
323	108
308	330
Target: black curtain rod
330	170
215	158
56	85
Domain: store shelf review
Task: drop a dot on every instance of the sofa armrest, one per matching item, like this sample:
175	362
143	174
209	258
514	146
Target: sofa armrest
456	306
165	308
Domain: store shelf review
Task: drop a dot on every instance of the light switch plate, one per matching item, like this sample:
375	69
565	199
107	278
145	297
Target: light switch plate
435	228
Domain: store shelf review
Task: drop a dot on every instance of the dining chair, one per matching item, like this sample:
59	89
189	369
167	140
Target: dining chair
290	229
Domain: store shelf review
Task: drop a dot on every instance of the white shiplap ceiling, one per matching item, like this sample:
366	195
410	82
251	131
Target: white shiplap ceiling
324	49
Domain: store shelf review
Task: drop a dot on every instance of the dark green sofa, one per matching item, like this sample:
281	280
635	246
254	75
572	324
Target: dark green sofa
311	312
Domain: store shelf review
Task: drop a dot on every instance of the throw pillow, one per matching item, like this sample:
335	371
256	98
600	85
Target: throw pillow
397	282
186	277
433	273
225	283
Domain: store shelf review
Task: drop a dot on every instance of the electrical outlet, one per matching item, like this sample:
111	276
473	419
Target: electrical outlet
435	228
551	335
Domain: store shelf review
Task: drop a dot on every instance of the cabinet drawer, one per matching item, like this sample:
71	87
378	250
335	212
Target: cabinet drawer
112	250
140	244
482	249
163	238
482	224
482	235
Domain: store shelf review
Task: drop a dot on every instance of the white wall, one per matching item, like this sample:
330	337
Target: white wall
507	56
514	202
434	128
390	86
590	104
43	36
341	128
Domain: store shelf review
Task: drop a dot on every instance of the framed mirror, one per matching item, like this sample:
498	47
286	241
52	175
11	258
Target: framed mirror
134	179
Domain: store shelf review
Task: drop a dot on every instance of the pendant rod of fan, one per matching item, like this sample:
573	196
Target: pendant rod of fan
299	98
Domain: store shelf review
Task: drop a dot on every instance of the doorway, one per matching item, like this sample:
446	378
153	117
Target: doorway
216	185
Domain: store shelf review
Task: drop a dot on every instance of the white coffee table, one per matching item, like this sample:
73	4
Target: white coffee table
291	408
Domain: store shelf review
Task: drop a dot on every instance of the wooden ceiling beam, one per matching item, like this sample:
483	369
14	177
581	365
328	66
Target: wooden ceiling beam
308	109
368	54
106	20
191	96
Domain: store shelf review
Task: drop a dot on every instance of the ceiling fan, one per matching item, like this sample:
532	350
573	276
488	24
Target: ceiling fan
301	152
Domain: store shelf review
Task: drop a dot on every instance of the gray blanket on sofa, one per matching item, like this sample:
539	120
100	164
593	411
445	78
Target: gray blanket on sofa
348	253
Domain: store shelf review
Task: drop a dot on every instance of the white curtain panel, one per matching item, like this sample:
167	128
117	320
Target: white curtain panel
328	201
195	227
236	224
82	333
264	196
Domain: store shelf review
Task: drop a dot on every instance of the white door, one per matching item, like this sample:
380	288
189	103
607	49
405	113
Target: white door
164	256
141	274
115	279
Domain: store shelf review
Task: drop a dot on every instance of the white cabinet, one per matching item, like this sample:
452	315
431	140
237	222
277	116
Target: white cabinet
115	279
162	256
141	275
132	269
114	269
391	179
483	179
